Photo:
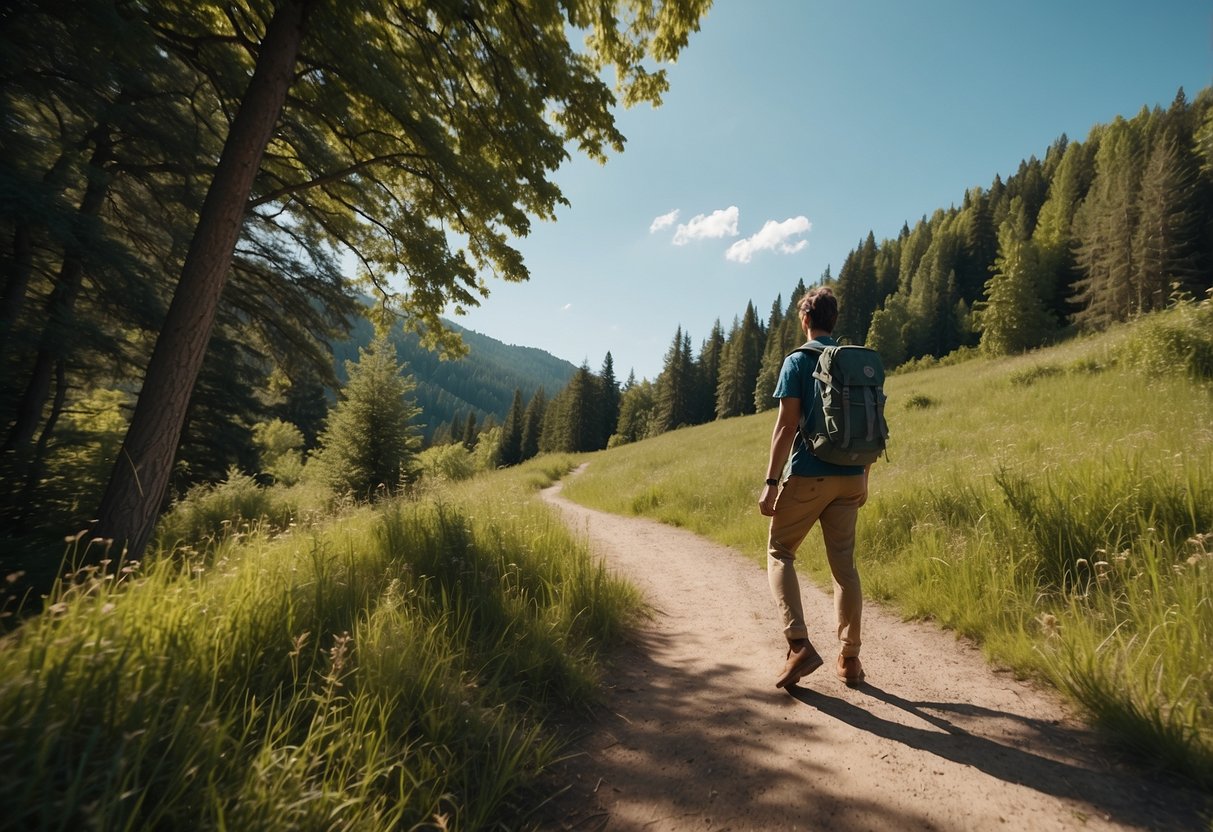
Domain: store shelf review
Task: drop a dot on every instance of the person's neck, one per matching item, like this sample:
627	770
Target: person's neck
814	334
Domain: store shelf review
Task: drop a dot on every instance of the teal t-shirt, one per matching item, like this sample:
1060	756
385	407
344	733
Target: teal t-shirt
796	382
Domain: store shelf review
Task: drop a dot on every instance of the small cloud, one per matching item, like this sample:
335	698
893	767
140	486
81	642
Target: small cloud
774	236
721	223
566	307
664	221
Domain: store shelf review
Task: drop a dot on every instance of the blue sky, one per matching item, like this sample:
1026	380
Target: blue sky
826	120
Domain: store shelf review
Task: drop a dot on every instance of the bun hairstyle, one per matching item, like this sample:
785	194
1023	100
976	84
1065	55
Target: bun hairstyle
822	308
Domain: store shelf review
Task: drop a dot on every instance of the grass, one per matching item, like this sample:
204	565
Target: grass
396	668
1055	506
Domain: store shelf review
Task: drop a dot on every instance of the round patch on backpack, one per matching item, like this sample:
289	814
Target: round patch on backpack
868	371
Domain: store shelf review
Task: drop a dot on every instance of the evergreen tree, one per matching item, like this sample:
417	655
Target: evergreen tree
510	452
609	402
532	424
980	246
739	367
1015	316
889	331
575	415
1166	238
1107	222
469	431
1054	235
934	293
675	387
857	292
888	260
636	414
369	444
707	372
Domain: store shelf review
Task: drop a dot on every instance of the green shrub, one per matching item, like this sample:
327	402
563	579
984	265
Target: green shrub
919	401
446	463
1030	375
1179	340
213	511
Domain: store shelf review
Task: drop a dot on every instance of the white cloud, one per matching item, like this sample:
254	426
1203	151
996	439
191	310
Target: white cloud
664	221
774	236
721	223
566	307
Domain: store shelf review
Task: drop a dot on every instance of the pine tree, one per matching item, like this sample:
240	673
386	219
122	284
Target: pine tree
370	443
510	452
980	246
1054	235
609	403
707	372
857	293
739	367
576	413
675	387
1166	238
1107	222
1015	316
532	424
469	431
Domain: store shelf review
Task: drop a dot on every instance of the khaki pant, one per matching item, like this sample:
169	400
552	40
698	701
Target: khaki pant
803	501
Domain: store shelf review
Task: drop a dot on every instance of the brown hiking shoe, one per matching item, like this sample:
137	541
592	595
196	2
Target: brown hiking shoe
850	670
800	663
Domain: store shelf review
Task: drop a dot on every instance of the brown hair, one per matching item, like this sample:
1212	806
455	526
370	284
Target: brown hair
822	308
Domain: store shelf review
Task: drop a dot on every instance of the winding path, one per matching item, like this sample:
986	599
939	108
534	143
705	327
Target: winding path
694	735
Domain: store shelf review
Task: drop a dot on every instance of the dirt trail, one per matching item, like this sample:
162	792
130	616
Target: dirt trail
694	735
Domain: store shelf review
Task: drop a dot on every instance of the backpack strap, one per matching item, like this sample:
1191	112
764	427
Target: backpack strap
809	348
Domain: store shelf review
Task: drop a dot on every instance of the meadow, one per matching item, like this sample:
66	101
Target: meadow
280	662
396	667
1055	507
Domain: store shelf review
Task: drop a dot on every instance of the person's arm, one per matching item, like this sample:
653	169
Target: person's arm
782	436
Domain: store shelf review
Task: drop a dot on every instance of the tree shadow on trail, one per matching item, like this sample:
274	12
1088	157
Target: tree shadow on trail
675	748
1149	803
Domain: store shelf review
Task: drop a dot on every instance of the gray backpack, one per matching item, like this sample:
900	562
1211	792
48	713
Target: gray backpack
848	428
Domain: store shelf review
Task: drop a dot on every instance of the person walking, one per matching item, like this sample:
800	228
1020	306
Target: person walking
814	492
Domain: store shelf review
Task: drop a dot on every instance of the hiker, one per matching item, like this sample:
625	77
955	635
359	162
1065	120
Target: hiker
815	491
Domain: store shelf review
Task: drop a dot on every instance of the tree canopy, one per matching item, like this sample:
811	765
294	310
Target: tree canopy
265	138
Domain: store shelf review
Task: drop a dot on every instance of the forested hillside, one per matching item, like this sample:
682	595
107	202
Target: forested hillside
482	382
1097	232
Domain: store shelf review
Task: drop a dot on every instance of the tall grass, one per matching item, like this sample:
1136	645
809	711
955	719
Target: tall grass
393	669
1055	506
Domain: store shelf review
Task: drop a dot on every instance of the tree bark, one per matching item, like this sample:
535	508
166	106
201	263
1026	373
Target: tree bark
137	485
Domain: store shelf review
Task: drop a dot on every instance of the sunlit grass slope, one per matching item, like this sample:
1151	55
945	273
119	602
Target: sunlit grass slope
393	669
1056	506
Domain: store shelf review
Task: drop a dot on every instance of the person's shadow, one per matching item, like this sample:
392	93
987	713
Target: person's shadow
1143	800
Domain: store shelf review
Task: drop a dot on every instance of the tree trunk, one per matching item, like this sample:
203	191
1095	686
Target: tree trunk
56	333
37	465
140	476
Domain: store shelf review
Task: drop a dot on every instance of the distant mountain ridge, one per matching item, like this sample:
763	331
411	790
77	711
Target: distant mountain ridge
483	381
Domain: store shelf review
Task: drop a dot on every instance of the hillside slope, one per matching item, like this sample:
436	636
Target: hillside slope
1056	506
483	381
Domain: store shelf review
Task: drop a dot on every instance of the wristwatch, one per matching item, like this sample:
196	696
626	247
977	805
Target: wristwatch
772	482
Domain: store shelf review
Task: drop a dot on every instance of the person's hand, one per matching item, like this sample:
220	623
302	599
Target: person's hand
766	500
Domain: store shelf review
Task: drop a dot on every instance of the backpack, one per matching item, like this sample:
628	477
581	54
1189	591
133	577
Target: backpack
848	425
